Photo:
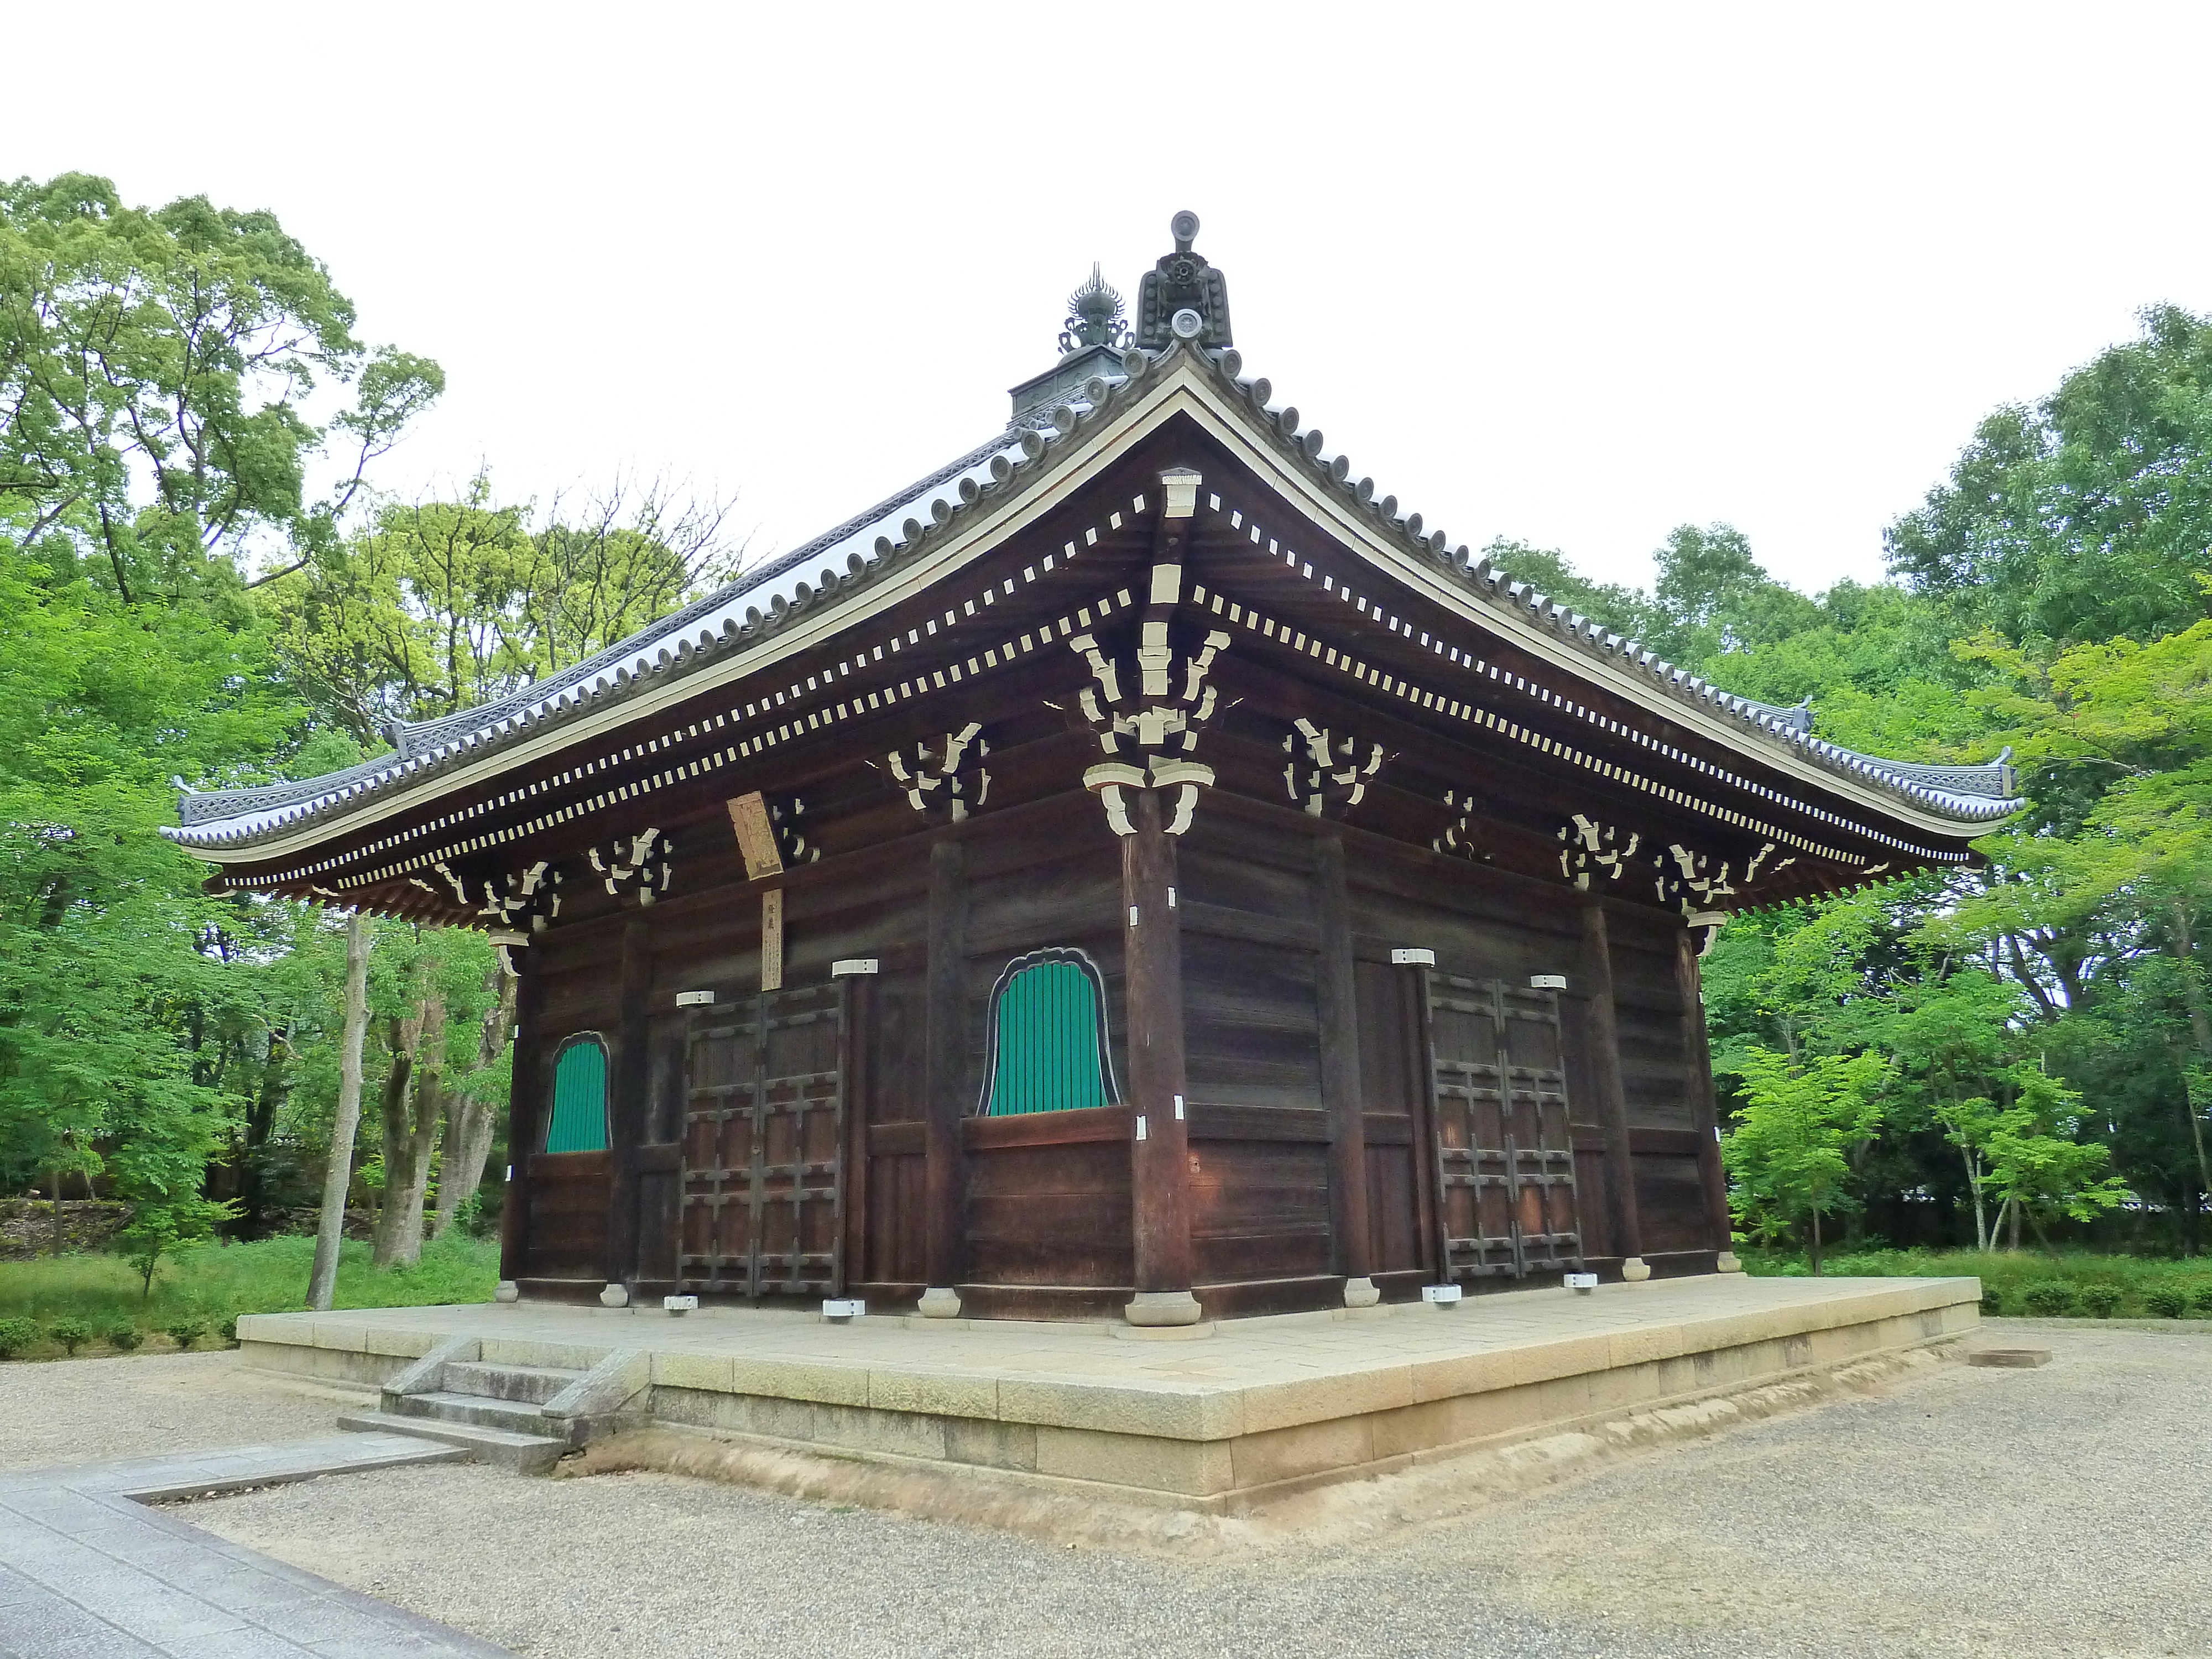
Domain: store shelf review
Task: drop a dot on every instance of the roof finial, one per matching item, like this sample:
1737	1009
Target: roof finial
1095	316
1183	297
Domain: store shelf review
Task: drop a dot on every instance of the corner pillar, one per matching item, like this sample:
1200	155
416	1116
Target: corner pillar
1147	711
1152	982
524	1100
1697	1080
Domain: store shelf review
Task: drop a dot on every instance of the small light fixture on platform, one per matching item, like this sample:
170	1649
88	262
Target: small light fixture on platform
1582	1283
1441	1295
677	1306
1547	982
842	1311
845	967
695	998
1413	957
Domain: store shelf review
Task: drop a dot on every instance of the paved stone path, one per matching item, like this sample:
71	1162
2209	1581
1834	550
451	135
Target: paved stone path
87	1571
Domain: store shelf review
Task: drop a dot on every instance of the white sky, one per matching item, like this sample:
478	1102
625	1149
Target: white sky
1570	274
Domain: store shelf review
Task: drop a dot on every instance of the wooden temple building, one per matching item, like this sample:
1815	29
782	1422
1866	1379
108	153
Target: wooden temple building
1140	868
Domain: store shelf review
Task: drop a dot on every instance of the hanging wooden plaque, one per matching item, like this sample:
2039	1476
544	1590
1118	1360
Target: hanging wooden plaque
756	837
772	938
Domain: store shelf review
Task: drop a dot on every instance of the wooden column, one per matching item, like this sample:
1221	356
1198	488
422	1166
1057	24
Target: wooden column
627	1090
1612	1096
1337	1004
946	1068
1153	988
1421	1066
1697	1080
523	1103
860	1101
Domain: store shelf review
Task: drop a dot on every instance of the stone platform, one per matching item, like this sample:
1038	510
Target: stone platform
1214	1417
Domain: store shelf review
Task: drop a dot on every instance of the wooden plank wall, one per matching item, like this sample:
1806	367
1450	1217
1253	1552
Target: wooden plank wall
565	1197
1048	1198
1251	948
1045	1202
1259	1136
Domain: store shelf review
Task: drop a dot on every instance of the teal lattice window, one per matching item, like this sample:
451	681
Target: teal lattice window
579	1120
1047	1037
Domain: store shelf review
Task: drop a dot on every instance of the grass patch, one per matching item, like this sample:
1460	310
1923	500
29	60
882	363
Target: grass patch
211	1284
2081	1283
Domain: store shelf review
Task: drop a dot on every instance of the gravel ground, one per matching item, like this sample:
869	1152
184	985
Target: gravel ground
2062	1510
85	1411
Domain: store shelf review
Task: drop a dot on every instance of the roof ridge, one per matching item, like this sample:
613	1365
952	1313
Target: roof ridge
1906	777
1017	450
668	645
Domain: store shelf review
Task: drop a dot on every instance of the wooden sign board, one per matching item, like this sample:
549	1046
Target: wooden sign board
756	837
772	938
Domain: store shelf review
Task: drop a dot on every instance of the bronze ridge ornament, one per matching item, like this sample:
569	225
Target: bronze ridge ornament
1183	297
1094	317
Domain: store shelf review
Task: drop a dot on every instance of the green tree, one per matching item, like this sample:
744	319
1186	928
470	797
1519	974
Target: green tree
1786	1155
2088	515
441	605
154	366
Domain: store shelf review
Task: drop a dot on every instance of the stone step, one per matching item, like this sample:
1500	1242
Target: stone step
529	1454
535	1383
516	1416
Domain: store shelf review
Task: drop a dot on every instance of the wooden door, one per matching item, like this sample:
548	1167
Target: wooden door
1505	1161
762	1191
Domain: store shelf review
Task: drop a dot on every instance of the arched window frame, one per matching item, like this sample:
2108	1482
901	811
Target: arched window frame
576	1040
1006	976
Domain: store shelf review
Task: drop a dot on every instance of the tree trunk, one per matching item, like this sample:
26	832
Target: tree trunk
322	1280
1816	1243
2200	1027
2196	1130
260	1124
422	1135
403	1038
471	1120
1974	1187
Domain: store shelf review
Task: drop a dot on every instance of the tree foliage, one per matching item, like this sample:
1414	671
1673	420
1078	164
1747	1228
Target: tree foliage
155	368
198	582
1788	1158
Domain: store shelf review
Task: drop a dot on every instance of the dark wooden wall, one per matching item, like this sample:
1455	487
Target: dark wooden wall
1255	895
1305	1088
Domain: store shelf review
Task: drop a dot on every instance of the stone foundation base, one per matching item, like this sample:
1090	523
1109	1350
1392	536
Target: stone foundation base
1280	1403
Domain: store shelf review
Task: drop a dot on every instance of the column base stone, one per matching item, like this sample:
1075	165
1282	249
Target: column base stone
1361	1294
1163	1308
1635	1269
938	1302
509	1290
1728	1263
614	1296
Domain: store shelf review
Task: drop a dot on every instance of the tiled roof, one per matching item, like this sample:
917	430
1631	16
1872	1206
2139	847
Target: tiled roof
739	618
